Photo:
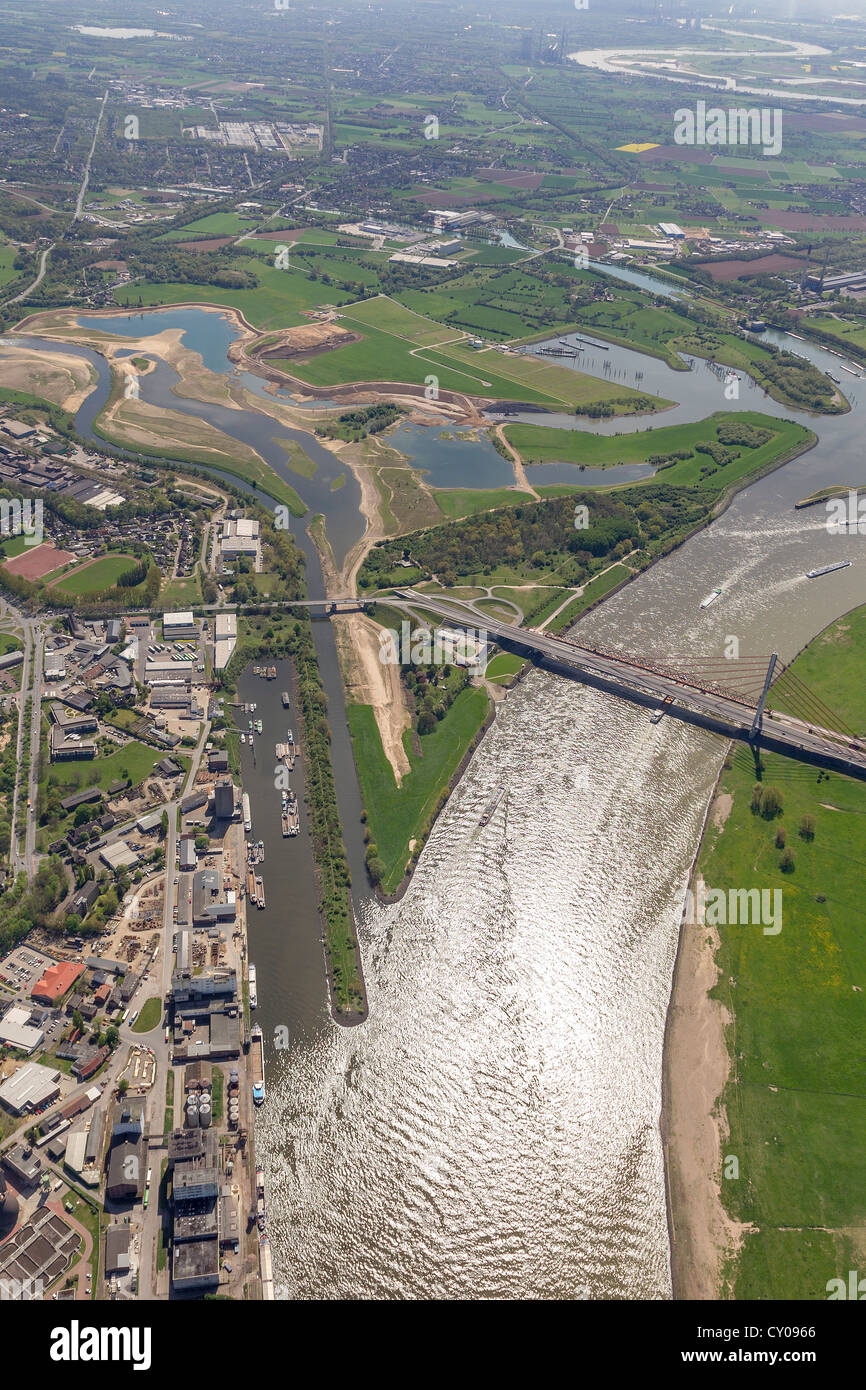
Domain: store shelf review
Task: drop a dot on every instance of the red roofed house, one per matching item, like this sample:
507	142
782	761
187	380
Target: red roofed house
102	994
56	981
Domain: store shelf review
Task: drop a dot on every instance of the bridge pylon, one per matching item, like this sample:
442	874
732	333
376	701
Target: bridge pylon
758	721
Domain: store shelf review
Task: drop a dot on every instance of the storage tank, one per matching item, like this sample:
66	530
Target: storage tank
192	1114
204	1114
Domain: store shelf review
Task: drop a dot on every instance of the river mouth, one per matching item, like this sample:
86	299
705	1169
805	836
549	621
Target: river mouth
492	1130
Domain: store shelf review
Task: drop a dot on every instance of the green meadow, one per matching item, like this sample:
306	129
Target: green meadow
397	815
796	1097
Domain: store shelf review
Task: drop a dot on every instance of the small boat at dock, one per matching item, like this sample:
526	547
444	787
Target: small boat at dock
257	1053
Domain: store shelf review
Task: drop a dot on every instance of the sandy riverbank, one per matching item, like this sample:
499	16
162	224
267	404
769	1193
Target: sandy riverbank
693	1123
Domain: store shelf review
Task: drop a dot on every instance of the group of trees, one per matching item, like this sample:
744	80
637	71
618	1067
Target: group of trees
356	424
433	689
540	534
23	906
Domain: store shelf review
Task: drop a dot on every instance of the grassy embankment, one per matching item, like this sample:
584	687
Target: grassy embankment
397	816
796	1099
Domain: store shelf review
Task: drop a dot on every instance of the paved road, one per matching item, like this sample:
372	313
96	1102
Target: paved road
79	202
782	733
23	858
148	1275
43	265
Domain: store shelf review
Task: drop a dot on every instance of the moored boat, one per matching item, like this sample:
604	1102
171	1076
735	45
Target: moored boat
257	1060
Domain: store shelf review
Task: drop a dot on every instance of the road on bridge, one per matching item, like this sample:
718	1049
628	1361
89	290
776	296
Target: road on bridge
780	732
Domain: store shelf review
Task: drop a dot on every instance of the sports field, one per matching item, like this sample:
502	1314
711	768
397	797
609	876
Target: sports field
40	560
95	575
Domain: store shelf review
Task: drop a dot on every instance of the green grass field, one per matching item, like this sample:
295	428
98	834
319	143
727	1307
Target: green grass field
796	1099
276	302
538	444
7	257
592	592
395	814
215	224
135	761
150	1015
398	344
13	545
503	667
833	666
465	501
101	574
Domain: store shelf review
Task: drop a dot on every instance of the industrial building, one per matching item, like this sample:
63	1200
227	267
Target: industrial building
125	1182
118	856
187	857
177	673
16	1030
117	1257
205	1015
30	1088
224	799
23	1164
127	1155
54	666
193	1157
56	981
107	965
178	626
225	639
853	280
208	905
241	537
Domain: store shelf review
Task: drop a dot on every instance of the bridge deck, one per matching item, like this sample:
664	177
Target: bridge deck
723	714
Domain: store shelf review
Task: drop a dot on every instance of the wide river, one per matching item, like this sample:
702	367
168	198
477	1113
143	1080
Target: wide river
492	1130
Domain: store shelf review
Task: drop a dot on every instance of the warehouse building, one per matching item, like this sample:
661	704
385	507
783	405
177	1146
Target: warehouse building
241	537
118	856
56	981
168	673
224	799
30	1088
176	627
16	1030
225	639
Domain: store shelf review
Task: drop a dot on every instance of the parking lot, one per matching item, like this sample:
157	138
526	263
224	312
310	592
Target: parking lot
23	967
